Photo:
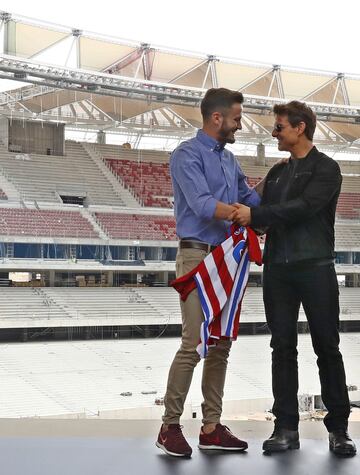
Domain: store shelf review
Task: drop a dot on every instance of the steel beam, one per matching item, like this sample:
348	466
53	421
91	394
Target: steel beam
111	85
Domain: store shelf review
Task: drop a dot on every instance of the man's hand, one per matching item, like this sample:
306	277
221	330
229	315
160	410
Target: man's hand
241	215
223	210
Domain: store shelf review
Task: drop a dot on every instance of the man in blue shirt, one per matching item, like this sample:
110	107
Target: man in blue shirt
208	185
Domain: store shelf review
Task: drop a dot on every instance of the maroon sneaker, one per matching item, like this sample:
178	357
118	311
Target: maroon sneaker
221	439
173	442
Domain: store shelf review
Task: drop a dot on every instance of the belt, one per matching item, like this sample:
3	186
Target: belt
185	244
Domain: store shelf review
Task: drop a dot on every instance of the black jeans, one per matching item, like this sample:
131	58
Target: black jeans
316	287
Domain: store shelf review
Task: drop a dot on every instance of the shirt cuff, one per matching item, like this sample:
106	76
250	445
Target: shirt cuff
209	207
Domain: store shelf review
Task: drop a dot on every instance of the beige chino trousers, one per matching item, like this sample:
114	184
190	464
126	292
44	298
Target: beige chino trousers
186	358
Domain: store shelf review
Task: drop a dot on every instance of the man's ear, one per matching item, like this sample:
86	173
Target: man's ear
302	127
217	118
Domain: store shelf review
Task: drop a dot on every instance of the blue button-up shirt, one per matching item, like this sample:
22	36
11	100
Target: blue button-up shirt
203	172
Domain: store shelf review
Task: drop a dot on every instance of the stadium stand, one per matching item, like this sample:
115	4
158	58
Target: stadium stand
165	300
350	183
117	225
34	222
349	206
137	226
55	306
347	235
124	306
121	306
28	303
146	174
44	178
149	182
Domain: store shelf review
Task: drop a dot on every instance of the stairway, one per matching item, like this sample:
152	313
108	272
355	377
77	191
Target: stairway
129	200
87	215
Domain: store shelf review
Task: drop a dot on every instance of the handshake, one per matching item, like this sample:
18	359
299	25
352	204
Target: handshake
240	214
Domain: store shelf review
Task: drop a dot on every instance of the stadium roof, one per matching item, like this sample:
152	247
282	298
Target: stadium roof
91	81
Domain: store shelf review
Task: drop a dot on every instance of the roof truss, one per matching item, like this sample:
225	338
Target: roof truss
156	89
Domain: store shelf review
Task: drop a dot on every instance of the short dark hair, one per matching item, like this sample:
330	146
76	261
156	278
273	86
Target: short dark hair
218	100
298	112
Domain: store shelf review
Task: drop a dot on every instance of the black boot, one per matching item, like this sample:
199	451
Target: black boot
281	440
340	443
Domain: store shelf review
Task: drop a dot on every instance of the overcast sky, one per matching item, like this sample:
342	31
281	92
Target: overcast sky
315	34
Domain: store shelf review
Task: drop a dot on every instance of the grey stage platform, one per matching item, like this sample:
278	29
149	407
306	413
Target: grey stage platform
104	447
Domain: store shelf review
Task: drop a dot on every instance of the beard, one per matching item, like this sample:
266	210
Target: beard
226	135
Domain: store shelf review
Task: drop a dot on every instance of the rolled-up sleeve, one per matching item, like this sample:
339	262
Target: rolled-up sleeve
187	173
247	195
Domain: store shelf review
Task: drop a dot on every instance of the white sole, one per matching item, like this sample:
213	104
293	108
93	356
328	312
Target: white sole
173	454
216	447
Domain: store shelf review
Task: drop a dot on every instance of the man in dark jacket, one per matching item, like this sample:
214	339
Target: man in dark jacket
298	210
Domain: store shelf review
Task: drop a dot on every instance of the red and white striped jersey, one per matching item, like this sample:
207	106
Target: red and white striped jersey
221	279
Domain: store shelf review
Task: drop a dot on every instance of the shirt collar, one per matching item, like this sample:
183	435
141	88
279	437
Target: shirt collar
209	142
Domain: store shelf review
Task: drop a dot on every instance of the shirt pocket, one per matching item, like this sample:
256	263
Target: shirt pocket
272	191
